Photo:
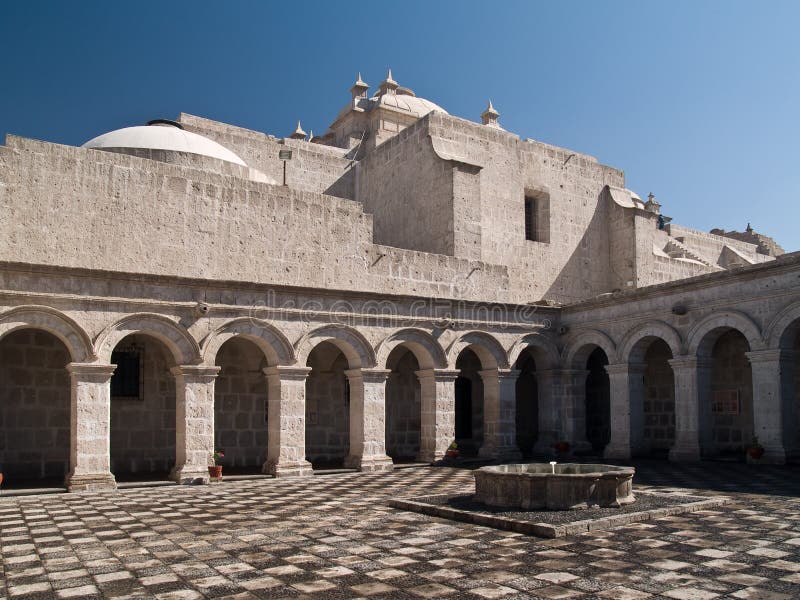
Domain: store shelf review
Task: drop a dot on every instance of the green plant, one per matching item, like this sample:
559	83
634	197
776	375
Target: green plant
453	446
216	456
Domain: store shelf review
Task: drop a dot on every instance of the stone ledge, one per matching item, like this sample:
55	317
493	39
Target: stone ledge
548	530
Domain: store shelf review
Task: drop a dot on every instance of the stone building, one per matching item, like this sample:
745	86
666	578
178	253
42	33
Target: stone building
367	296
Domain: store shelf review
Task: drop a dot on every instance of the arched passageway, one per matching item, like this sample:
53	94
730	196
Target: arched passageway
34	409
469	403
658	434
403	406
327	407
527	405
726	394
598	401
240	405
142	436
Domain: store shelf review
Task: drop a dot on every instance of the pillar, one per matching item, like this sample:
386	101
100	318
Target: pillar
368	420
626	382
773	403
499	414
90	424
692	407
438	423
286	410
194	422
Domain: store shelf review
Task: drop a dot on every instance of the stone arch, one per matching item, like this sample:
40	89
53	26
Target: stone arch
267	337
423	345
700	343
183	347
775	332
76	340
577	350
352	343
545	350
632	342
490	352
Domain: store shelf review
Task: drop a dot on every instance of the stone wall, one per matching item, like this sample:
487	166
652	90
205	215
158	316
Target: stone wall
659	400
527	405
313	167
143	429
327	407
403	407
34	407
240	405
731	371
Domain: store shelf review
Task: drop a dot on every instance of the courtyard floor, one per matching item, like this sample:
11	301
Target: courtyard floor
334	536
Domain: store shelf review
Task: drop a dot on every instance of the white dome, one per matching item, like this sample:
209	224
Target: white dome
157	137
419	107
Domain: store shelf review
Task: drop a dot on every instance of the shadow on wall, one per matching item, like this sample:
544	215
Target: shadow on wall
588	271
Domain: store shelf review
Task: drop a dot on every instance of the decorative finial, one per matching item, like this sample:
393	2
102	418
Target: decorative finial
298	134
652	204
749	228
359	89
489	116
388	85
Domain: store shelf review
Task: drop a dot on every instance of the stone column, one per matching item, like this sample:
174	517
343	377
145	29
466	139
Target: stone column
194	422
90	424
368	420
626	384
692	407
549	389
286	418
499	415
438	423
573	412
773	403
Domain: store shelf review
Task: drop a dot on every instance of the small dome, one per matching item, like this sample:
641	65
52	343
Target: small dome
163	137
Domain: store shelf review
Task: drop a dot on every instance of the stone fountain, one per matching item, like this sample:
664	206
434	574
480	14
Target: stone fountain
554	486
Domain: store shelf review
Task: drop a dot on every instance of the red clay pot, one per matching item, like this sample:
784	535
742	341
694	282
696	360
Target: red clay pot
755	453
451	454
1	479
215	471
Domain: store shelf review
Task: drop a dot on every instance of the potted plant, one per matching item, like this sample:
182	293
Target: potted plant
215	469
561	447
452	451
755	450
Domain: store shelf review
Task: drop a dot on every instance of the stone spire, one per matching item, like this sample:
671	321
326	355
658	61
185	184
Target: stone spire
489	116
388	85
359	89
298	134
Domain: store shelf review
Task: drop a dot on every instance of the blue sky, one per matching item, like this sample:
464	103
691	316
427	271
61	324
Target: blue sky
695	101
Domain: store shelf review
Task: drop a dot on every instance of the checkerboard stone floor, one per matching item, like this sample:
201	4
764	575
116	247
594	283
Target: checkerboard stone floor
333	536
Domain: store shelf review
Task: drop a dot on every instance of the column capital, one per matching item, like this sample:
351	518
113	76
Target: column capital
440	375
288	373
368	375
625	368
196	372
91	370
690	362
498	373
775	355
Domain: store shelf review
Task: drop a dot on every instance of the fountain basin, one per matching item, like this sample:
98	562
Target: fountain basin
560	487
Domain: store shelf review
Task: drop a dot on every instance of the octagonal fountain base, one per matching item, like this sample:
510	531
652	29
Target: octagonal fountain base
554	487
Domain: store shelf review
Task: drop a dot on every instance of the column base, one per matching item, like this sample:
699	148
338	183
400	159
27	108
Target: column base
369	464
91	482
300	468
430	457
506	454
772	456
617	452
190	475
684	454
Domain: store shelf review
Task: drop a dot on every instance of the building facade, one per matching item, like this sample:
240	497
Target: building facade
367	297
